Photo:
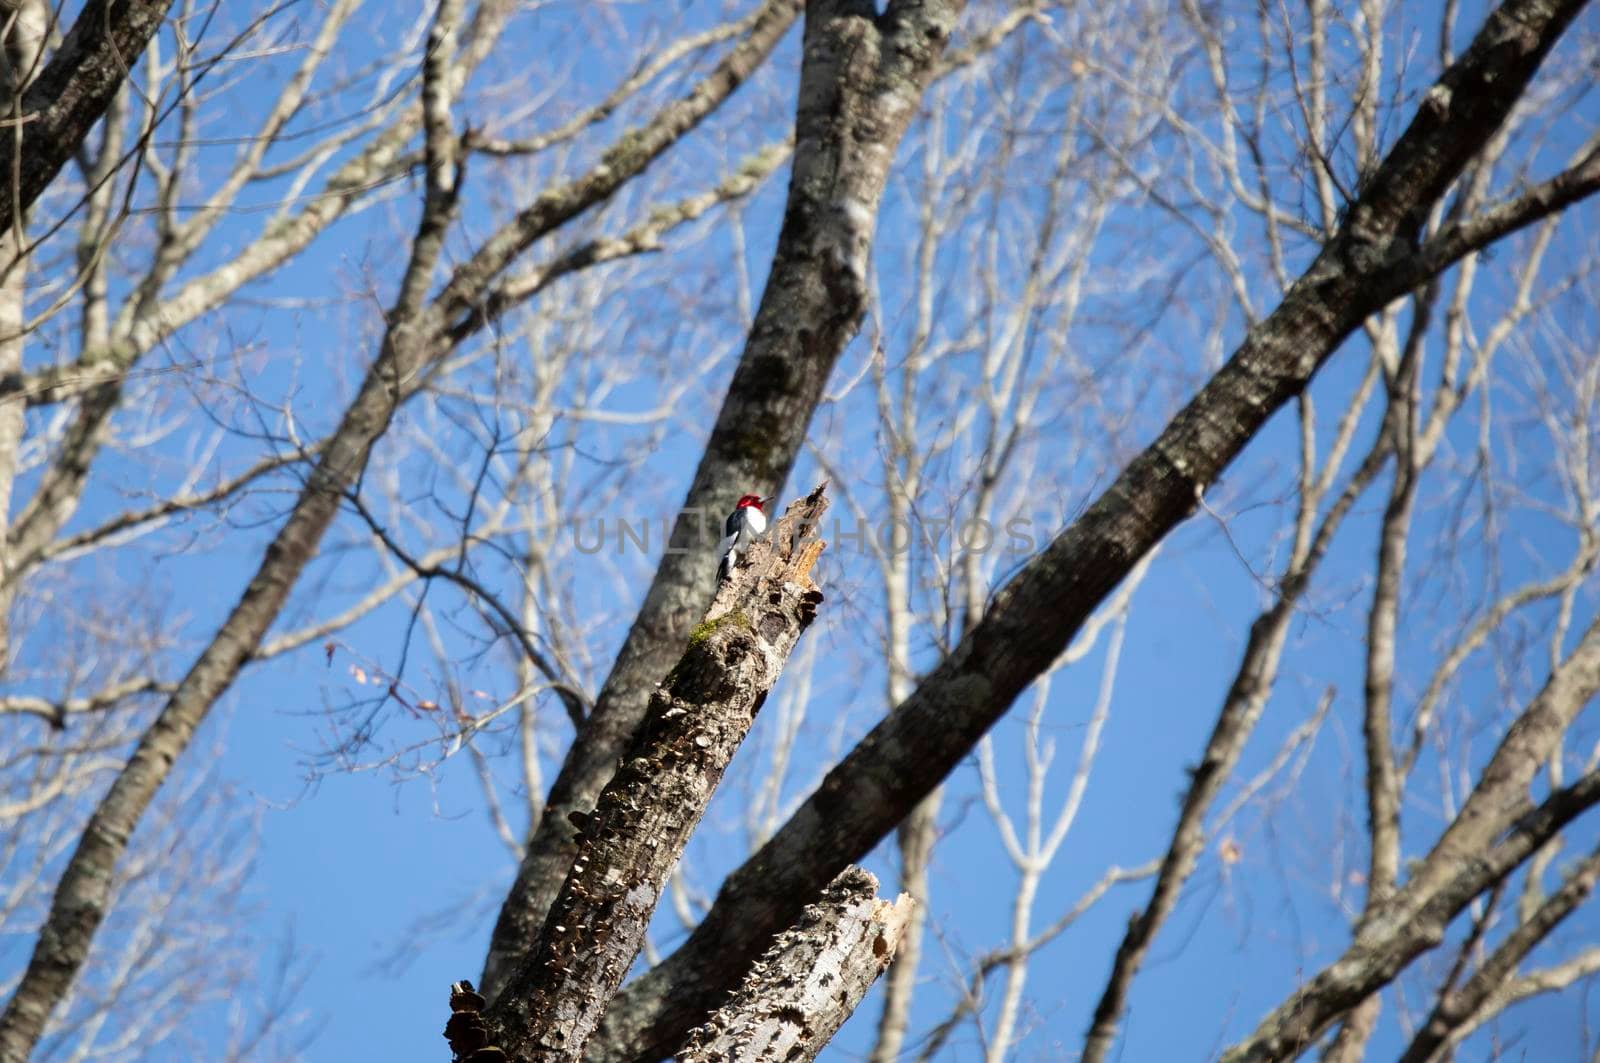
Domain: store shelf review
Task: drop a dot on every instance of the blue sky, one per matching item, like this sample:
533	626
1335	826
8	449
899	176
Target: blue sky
388	880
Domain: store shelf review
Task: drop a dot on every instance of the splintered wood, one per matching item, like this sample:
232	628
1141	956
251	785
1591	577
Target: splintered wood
786	554
807	983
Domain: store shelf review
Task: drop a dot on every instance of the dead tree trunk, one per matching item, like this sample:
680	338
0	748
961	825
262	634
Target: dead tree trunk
806	985
628	846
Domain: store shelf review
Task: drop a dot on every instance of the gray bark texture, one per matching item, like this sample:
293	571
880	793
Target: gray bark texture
1456	1008
1372	259
805	986
1374	961
70	94
628	846
860	80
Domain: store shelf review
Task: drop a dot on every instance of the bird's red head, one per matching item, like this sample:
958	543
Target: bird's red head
749	500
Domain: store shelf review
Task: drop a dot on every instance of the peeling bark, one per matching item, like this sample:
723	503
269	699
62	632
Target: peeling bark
806	985
629	844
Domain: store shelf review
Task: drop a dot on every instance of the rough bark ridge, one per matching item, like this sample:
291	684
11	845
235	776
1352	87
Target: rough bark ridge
1371	260
860	82
71	93
628	846
805	986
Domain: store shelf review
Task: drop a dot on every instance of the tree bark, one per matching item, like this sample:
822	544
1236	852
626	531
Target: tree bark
70	94
1371	260
1457	1007
860	82
629	845
21	52
806	985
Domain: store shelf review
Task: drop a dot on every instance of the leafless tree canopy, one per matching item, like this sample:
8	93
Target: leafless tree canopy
1204	397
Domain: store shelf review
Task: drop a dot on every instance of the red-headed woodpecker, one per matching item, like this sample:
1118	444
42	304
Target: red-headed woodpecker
738	532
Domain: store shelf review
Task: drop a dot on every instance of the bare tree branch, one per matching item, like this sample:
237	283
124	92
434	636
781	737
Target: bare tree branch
1459	1006
414	338
1030	621
1382	952
70	94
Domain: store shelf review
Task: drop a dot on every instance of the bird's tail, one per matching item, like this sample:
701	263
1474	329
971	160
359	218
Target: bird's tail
725	567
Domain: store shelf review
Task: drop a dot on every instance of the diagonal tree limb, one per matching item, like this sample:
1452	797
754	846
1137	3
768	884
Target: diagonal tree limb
629	155
1487	840
627	848
71	93
1458	1007
285	236
1241	709
1543	980
135	522
1460	238
100	372
639	239
1502	785
646	72
510	292
860	82
1373	961
83	893
1368	262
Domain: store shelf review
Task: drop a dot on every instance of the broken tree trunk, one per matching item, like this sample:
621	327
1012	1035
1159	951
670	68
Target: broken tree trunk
629	844
795	998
